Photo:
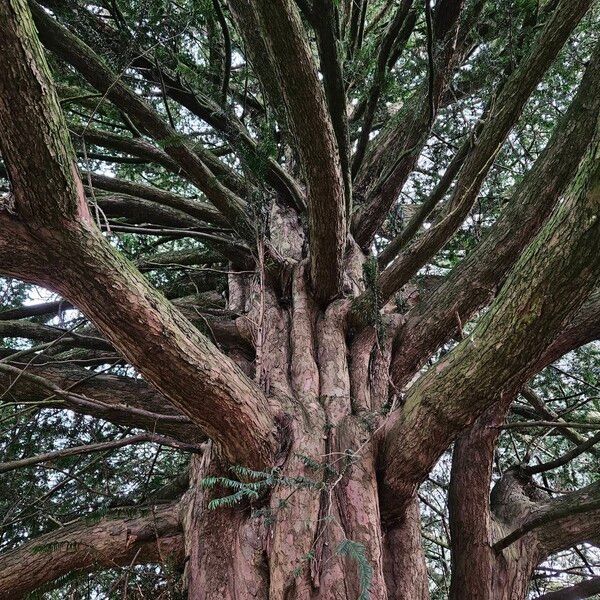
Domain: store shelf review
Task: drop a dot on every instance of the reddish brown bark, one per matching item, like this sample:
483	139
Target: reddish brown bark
313	410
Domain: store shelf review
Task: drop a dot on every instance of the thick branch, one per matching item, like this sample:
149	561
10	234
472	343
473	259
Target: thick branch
561	522
113	541
82	266
310	122
499	120
475	281
585	589
549	282
191	206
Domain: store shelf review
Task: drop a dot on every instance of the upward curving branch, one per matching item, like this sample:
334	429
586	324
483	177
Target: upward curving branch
310	122
47	237
477	278
502	115
551	280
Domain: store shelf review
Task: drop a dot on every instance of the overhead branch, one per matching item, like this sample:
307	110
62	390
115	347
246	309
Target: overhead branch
81	57
475	281
386	168
47	333
144	150
502	115
76	261
118	540
204	107
548	284
315	140
428	205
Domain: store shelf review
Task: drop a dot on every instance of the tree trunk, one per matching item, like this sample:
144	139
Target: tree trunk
315	532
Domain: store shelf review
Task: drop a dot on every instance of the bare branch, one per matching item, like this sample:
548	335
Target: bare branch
98	447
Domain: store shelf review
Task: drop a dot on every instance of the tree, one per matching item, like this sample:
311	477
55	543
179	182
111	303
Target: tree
300	257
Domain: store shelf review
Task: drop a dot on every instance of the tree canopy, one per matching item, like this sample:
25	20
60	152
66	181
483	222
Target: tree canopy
299	299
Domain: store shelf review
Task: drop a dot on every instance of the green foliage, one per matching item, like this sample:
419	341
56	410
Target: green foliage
356	552
255	485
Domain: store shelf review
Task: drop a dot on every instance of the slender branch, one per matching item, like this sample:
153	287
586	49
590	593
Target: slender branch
325	22
142	438
383	56
499	119
548	414
428	205
387	167
553	424
564	459
227	45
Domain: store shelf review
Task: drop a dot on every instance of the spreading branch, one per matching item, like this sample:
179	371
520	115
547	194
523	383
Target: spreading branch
504	112
490	363
76	260
114	541
475	281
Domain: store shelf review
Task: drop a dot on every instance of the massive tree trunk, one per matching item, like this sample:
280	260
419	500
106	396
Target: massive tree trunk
308	457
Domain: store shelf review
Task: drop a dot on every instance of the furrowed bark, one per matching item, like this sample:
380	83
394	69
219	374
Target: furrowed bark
114	541
549	282
404	564
310	122
477	278
76	261
503	114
